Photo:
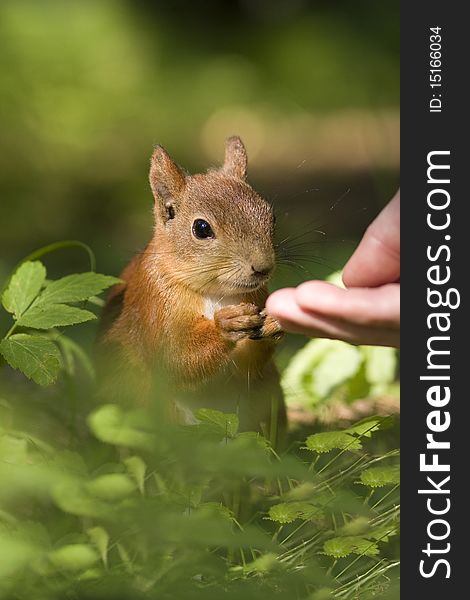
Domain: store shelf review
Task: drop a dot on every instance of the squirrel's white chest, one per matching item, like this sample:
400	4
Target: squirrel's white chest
214	303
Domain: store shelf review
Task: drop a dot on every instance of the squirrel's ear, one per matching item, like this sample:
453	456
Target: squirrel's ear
236	160
167	181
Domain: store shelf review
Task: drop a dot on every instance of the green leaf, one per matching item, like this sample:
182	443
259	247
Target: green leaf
23	288
125	558
113	486
366	427
337	366
137	468
331	440
264	564
379	476
41	316
74	288
254	436
35	356
216	508
318	369
356	388
287	512
357	526
71	497
381	364
112	425
100	538
340	547
74	557
296	379
227	424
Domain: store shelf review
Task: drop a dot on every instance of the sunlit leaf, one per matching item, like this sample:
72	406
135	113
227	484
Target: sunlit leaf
332	440
35	356
366	427
379	476
43	316
113	486
74	557
296	379
381	364
23	288
112	425
227	424
74	288
287	512
256	437
216	508
72	498
100	538
337	366
340	547
137	468
264	564
319	368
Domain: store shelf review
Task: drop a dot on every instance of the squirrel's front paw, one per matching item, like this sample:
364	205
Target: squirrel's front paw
271	328
239	321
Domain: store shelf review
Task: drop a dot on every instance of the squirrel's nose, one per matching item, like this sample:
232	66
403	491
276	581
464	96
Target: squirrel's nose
261	270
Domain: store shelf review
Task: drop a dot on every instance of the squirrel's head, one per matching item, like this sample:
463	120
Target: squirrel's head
214	231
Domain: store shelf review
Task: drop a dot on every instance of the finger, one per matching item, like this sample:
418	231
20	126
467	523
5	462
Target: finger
376	260
323	327
283	305
362	306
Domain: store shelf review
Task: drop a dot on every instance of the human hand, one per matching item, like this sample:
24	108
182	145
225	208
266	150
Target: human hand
368	311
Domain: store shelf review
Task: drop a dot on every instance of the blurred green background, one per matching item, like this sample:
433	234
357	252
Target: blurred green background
87	88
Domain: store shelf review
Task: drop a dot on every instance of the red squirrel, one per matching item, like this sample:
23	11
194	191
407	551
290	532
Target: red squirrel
191	305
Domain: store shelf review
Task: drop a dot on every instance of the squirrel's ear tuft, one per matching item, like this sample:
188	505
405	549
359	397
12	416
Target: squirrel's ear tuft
236	160
167	180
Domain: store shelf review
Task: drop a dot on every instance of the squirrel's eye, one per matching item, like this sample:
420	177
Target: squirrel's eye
202	230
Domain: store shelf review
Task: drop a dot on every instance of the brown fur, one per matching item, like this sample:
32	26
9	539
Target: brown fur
156	320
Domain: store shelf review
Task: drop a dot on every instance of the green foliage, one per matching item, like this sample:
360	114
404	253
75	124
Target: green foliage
222	423
36	303
108	501
23	288
380	476
47	316
331	440
35	356
329	370
74	288
73	557
112	425
343	546
289	512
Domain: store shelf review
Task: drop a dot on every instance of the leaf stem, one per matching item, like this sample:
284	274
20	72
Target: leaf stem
10	331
